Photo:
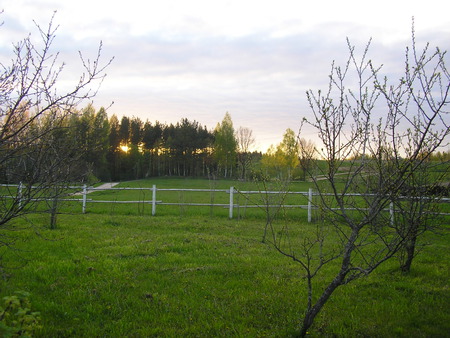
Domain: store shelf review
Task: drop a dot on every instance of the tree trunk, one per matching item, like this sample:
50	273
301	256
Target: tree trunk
312	312
410	248
53	213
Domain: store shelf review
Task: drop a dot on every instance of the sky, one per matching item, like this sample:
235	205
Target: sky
200	59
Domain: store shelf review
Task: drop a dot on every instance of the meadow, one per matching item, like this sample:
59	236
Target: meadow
188	273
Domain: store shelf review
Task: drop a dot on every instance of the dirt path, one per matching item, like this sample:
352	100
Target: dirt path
104	186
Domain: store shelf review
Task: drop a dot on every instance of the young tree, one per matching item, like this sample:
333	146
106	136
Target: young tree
245	140
225	146
376	138
289	148
33	119
306	152
282	160
417	208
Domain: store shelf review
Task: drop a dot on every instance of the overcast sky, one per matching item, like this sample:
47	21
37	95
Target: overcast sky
200	59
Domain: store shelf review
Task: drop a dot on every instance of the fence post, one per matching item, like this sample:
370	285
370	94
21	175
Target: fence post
310	194
19	194
84	198
154	200
231	202
391	211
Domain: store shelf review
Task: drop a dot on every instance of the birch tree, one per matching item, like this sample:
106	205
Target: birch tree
225	146
245	140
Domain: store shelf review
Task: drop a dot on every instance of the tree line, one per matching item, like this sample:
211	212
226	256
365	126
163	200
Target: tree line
97	147
108	148
138	149
129	148
94	147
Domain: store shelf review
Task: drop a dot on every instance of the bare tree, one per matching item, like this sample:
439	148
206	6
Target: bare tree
307	150
418	127
35	151
245	140
376	137
417	208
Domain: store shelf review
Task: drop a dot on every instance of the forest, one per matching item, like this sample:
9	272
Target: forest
129	148
112	149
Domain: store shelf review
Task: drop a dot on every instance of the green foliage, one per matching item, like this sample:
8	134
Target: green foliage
283	161
225	146
16	317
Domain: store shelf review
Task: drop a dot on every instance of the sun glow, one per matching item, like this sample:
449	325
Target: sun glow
125	148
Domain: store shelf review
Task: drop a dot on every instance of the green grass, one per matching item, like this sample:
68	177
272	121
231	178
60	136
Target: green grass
140	276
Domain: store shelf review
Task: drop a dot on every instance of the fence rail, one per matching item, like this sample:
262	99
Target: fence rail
85	190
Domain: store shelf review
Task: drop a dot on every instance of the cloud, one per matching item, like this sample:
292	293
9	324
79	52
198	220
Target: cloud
200	59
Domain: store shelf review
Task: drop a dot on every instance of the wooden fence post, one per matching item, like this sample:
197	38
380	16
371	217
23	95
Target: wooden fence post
84	198
231	202
310	194
154	200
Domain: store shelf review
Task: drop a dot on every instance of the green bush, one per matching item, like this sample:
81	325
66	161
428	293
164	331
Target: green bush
16	317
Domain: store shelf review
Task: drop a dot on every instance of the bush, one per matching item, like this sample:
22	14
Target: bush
16	317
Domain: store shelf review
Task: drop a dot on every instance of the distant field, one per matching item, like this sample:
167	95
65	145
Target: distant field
112	275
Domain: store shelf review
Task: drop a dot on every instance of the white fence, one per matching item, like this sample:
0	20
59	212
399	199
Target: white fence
231	204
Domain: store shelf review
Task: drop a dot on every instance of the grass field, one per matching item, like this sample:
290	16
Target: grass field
106	274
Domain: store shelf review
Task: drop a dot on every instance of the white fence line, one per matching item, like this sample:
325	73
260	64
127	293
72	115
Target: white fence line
231	205
85	190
